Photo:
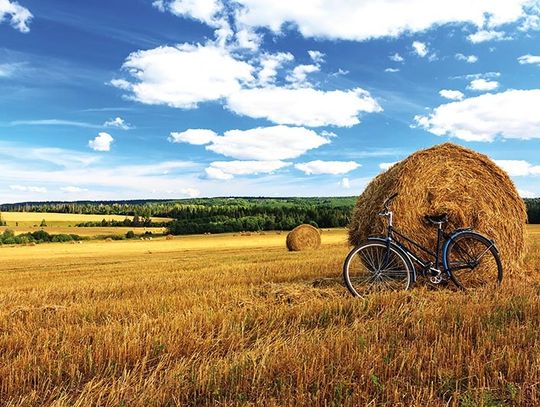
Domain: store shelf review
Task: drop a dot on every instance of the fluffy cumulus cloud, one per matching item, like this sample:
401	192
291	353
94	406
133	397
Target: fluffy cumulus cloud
512	114
327	167
304	106
102	142
262	143
451	94
529	59
206	11
485	35
187	75
518	168
361	20
420	48
118	122
298	76
18	16
270	63
483	85
193	136
228	169
396	57
183	76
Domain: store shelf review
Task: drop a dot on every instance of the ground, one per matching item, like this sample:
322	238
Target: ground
239	320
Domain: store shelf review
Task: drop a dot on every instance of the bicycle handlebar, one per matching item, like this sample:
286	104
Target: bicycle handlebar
388	200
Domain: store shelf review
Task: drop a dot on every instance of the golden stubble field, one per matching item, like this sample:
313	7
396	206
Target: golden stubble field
237	320
23	222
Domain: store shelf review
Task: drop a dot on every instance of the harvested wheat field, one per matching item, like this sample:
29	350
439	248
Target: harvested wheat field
451	179
303	237
223	320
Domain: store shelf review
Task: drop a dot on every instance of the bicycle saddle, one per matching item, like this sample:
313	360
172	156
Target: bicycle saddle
436	219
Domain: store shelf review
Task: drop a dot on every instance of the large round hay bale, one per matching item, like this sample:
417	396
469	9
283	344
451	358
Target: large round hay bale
451	179
303	237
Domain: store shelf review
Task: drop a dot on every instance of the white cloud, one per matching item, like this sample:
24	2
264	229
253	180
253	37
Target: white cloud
270	63
512	114
420	48
327	167
73	189
102	142
193	136
396	57
183	76
451	94
262	143
391	70
482	85
316	56
518	168
471	59
304	106
205	11
299	74
228	169
363	20
385	166
118	122
22	188
191	192
484	35
18	16
529	59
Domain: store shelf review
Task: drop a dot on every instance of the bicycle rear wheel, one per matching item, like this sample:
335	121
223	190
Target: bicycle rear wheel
473	261
374	267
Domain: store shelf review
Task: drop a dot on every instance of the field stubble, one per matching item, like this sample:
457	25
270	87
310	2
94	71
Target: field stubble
239	320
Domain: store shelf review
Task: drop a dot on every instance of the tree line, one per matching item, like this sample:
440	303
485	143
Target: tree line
217	215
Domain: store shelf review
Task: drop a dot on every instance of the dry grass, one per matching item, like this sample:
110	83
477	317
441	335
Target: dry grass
223	320
83	231
29	219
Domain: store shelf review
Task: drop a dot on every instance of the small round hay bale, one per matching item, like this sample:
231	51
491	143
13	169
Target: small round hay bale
303	237
451	179
169	237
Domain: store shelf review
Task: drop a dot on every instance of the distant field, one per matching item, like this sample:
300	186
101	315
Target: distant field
83	231
230	320
60	219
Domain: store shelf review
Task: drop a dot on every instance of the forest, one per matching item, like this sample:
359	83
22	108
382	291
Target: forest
217	215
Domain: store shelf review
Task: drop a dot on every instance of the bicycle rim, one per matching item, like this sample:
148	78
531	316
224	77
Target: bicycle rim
371	267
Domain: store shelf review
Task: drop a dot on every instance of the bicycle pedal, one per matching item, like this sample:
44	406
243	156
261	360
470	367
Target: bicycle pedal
436	279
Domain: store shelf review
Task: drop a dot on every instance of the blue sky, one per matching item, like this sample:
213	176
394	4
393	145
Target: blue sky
184	98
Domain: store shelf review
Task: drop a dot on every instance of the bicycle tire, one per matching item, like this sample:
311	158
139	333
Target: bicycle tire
472	261
366	270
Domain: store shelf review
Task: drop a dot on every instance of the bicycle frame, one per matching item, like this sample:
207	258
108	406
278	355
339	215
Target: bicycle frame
426	266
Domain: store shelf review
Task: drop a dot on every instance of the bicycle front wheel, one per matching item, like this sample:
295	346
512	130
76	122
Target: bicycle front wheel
472	261
373	266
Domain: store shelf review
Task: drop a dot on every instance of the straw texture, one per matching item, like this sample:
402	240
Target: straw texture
303	237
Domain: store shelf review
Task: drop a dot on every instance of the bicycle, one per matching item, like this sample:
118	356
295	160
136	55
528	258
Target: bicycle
468	259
